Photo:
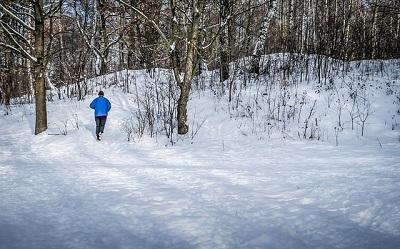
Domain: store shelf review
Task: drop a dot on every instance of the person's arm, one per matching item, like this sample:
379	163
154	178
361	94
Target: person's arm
109	105
93	104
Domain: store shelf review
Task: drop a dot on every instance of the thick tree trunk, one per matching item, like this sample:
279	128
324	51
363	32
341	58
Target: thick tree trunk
185	85
39	70
183	128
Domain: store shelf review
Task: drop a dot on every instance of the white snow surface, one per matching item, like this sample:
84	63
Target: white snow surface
219	190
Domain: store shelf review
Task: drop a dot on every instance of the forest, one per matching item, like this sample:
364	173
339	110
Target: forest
59	44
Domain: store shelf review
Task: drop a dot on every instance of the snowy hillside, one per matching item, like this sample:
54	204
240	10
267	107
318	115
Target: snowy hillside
291	162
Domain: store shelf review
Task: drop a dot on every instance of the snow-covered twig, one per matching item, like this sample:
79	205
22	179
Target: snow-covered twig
16	18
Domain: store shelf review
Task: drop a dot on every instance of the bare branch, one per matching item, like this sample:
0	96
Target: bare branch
20	49
17	34
147	19
222	25
85	37
16	18
112	43
53	8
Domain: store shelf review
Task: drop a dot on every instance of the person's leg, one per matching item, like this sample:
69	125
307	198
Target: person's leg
103	123
97	125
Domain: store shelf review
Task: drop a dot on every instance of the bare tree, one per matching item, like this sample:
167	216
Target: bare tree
26	13
259	46
185	83
101	35
225	10
183	74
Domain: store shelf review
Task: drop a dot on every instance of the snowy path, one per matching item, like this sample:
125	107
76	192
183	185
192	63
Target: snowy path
73	192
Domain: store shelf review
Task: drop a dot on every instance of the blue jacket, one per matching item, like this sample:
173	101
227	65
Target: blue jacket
101	106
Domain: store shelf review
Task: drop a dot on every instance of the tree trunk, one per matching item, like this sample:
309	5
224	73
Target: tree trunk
259	46
374	32
174	55
103	47
8	90
183	128
39	69
224	13
7	84
185	85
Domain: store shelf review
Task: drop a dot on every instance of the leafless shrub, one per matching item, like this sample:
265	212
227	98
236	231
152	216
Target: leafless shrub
306	135
155	101
363	111
338	130
128	127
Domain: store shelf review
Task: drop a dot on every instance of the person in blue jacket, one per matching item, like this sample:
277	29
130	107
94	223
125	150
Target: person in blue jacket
101	106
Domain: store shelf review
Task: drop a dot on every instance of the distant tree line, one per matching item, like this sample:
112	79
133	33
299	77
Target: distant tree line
56	43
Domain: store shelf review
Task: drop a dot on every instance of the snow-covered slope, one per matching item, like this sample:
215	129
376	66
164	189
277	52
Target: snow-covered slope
230	184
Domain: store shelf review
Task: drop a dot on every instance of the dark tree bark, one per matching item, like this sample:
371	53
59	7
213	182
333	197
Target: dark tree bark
39	69
186	83
224	13
7	84
103	46
36	53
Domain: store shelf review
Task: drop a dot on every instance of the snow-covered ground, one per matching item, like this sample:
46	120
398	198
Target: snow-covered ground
221	189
